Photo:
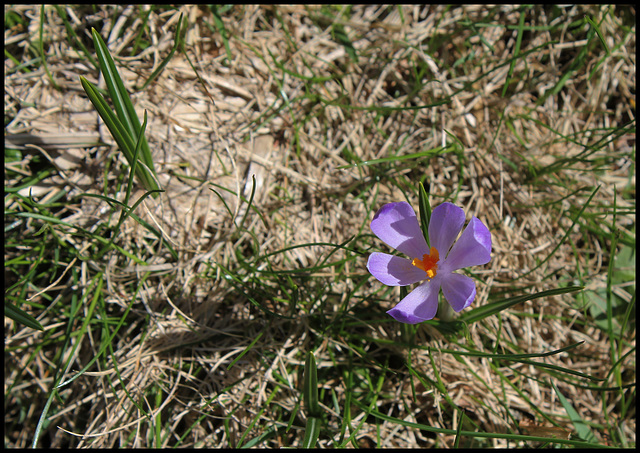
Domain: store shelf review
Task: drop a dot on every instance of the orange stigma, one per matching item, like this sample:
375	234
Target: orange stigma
428	263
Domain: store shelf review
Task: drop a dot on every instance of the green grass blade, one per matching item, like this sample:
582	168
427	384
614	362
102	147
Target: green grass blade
311	386
491	309
247	349
73	37
95	237
119	95
177	43
486	435
129	212
311	432
253	191
41	50
583	430
425	211
86	319
120	98
516	52
118	132
599	33
311	405
219	24
340	35
21	316
566	235
106	344
429	153
134	161
577	63
241	443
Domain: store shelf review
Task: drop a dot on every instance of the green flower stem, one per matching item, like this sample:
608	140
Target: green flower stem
445	312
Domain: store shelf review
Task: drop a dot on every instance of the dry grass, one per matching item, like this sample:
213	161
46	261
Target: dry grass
213	342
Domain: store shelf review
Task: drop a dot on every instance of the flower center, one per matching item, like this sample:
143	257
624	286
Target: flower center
428	263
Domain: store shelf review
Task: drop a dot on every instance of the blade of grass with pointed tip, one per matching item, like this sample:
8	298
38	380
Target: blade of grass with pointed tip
487	310
247	349
425	211
115	126
471	434
118	132
21	316
599	33
219	24
125	111
566	235
583	430
438	151
134	160
311	386
72	36
61	368
41	50
516	51
577	63
340	36
178	42
119	95
311	405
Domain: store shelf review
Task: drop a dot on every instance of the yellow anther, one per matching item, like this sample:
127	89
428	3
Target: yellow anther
428	263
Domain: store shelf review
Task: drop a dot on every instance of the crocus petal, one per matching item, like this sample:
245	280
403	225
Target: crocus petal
419	305
394	270
471	249
396	224
459	290
446	222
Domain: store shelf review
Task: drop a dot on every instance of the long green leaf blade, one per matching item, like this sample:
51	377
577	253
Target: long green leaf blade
311	432
583	430
311	386
311	405
177	43
119	132
119	95
18	315
425	211
125	110
485	311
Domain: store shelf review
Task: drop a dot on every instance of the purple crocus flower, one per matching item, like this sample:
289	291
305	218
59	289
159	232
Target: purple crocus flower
396	224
